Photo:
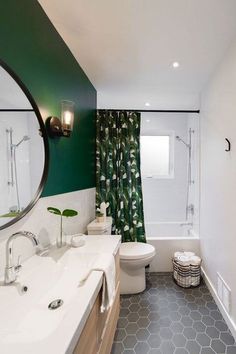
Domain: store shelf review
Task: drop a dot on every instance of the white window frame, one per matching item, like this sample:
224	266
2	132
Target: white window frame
171	135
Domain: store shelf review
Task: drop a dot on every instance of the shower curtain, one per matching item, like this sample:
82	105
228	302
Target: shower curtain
118	178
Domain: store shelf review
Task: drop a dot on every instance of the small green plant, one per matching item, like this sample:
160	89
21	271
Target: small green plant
99	214
68	213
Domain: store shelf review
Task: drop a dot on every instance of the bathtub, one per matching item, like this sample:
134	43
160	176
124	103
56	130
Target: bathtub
168	237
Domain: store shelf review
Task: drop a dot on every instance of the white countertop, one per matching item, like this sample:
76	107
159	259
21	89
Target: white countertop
62	337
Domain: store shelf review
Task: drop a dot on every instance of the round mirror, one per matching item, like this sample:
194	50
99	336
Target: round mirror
23	149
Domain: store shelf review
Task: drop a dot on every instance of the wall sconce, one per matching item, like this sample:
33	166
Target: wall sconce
62	127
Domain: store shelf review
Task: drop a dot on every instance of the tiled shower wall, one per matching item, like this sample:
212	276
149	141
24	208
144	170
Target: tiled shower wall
46	225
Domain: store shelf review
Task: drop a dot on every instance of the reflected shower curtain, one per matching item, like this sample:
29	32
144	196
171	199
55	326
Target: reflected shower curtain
118	177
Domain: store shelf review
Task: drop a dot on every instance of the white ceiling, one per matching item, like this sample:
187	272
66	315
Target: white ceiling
126	47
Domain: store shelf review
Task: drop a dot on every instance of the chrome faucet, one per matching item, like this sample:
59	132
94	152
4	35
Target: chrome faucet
11	270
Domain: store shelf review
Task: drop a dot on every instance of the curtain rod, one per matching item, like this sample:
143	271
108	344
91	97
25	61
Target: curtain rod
151	110
16	110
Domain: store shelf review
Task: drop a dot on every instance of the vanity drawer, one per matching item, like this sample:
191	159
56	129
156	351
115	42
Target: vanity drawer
88	342
108	331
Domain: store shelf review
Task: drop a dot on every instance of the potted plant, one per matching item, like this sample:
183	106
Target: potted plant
66	213
99	216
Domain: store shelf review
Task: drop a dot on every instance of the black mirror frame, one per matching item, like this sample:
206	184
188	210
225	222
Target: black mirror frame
45	142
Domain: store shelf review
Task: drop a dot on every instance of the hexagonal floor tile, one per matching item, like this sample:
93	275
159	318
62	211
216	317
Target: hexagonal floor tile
227	338
218	346
130	341
141	347
189	333
179	340
142	334
154	341
166	319
177	327
166	333
199	326
167	347
203	339
131	328
193	347
213	332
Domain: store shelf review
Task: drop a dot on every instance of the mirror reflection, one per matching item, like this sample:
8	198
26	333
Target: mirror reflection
21	150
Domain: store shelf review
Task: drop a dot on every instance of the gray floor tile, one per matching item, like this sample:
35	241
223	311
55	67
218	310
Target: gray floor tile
131	328
142	334
203	339
181	351
167	347
166	319
189	333
227	338
154	341
207	351
213	332
193	347
179	340
218	346
141	348
231	350
130	341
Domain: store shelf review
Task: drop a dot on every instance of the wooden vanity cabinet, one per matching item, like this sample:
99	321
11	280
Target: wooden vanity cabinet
98	333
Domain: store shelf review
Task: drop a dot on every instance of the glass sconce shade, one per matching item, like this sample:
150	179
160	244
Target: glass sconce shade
62	127
67	116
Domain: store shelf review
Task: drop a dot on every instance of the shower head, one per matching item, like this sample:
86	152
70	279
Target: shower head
25	138
182	141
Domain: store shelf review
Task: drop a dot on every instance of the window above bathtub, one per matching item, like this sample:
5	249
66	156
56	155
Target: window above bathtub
157	155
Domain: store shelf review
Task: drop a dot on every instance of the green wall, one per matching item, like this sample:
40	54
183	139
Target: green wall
31	46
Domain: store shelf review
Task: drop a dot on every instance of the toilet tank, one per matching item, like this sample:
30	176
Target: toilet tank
100	228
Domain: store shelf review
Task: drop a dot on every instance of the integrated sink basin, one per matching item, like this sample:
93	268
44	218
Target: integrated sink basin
27	324
27	316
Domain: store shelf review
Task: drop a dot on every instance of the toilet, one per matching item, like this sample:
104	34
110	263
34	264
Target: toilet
100	228
134	257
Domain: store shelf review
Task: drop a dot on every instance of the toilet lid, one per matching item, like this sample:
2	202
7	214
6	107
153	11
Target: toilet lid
136	250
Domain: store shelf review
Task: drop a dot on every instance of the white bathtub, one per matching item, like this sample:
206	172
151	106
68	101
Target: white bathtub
169	229
168	237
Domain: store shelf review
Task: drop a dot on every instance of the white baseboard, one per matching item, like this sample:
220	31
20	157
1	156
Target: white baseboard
227	318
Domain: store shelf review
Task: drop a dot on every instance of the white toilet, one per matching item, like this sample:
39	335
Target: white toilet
100	228
134	257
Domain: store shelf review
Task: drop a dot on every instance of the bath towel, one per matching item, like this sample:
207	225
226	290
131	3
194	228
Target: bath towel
106	264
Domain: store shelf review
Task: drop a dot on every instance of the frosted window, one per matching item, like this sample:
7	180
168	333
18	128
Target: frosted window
155	156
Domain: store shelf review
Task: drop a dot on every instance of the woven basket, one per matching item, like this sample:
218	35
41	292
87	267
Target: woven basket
186	276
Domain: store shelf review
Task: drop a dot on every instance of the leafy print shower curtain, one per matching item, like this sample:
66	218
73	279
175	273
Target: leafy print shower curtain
118	178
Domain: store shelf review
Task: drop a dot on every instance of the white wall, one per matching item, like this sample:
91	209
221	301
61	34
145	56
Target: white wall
46	225
29	159
218	176
18	122
165	199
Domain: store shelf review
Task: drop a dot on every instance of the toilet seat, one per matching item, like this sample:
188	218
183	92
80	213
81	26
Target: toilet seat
136	250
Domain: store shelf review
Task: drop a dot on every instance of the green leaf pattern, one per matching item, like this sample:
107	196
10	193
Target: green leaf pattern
118	177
